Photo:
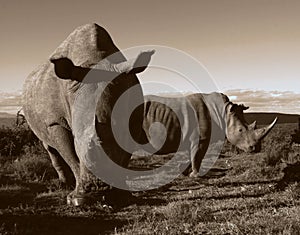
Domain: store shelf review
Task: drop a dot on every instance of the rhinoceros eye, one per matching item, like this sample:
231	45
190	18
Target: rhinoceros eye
240	130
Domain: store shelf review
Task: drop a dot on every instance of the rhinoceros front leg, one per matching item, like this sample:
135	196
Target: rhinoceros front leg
65	175
197	154
114	151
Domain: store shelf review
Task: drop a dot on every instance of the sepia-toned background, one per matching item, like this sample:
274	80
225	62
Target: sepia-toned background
251	48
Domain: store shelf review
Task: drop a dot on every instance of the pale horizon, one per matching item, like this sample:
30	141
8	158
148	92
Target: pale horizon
258	101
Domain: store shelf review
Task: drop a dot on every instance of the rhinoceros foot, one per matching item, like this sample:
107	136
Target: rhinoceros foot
74	199
83	197
194	174
113	197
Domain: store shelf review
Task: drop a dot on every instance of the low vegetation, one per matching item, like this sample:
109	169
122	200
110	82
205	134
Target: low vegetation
243	194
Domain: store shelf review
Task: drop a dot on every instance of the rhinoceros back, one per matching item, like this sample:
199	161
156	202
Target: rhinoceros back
180	116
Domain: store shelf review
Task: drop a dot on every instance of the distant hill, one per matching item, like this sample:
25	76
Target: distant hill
267	118
7	122
7	119
6	115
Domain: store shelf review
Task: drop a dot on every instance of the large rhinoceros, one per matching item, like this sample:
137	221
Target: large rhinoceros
50	93
190	122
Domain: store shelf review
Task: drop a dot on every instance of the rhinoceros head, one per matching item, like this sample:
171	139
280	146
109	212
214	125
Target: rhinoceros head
243	135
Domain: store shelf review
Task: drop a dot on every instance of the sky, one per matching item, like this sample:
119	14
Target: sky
245	45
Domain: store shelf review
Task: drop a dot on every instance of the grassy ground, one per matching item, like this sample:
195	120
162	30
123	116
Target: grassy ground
256	194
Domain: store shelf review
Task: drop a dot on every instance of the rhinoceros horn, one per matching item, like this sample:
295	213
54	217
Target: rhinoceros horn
262	132
252	126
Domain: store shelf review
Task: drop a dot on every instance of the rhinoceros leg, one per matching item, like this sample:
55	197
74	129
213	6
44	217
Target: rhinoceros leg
64	172
64	145
197	154
113	150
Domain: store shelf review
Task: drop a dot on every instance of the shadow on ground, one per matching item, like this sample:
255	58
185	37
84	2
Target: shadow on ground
14	192
291	175
49	224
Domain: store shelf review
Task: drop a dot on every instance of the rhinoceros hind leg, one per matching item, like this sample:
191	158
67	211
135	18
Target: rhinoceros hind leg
197	155
64	145
65	175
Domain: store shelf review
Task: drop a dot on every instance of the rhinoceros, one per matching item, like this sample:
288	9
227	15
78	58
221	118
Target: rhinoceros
50	94
191	120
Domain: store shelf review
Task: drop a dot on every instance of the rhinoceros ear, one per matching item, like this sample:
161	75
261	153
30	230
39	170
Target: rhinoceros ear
142	61
63	67
243	107
238	108
233	108
136	65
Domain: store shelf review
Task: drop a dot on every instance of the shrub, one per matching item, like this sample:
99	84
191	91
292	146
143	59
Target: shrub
23	154
275	153
13	140
33	167
277	145
281	158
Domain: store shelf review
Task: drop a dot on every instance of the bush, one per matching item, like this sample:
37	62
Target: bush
14	139
277	146
23	154
33	167
275	153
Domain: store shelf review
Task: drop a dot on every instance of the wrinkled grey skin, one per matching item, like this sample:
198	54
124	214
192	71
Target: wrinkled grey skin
213	112
51	89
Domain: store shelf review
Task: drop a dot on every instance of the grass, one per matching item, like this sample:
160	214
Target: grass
33	168
245	199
